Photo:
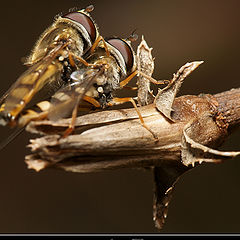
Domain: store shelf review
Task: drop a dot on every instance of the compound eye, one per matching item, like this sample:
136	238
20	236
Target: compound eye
125	51
85	21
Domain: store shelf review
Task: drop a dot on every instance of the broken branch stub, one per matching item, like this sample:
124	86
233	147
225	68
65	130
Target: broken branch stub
194	138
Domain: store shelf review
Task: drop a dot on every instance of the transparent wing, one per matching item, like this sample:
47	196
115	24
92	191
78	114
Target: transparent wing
64	100
31	82
11	137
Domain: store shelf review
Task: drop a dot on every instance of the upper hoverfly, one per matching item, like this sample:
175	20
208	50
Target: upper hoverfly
51	62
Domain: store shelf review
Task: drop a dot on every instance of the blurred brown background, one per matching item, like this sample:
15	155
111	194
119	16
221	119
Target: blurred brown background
205	200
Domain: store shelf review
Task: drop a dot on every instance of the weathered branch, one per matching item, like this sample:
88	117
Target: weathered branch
114	139
105	134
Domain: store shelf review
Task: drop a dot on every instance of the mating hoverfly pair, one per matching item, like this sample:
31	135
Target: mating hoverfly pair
71	67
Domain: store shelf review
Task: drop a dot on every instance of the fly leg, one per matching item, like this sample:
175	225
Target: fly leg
154	81
71	126
71	56
72	62
124	82
130	88
92	100
117	101
95	44
73	121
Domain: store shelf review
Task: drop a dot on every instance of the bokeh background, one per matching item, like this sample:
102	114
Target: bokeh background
206	199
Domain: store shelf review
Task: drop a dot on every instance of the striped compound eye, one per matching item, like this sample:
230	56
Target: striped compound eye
125	50
85	21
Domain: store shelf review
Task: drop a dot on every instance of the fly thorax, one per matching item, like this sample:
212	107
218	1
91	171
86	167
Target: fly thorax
115	79
58	32
112	74
76	44
102	79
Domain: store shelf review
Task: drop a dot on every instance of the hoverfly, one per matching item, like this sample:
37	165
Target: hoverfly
51	62
95	84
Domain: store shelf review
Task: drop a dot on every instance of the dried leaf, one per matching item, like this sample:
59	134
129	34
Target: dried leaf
145	64
165	178
165	97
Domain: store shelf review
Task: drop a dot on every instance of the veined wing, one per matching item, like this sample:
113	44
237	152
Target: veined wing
29	83
64	100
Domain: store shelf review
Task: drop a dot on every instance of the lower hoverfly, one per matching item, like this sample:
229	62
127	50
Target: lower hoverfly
51	62
107	72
